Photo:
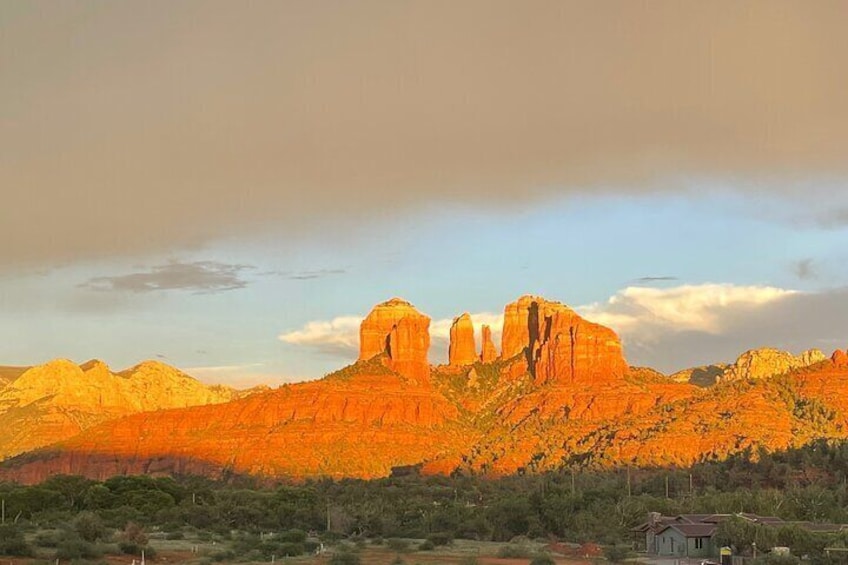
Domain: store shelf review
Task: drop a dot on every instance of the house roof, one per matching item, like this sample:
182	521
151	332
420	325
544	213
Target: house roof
692	530
692	518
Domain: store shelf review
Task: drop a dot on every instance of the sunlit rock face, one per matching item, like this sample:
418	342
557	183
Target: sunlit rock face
488	353
54	401
560	346
397	329
462	349
840	358
768	362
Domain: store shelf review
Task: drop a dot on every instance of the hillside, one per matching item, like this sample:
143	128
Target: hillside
57	400
559	394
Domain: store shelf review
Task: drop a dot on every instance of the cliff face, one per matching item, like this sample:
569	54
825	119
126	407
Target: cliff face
395	328
462	349
57	400
488	352
561	347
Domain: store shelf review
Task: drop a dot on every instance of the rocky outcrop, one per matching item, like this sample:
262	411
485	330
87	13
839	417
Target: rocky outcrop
704	376
54	401
768	362
462	349
560	346
395	328
488	353
840	358
515	337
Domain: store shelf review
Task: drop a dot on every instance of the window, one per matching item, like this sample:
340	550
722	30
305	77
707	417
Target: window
699	543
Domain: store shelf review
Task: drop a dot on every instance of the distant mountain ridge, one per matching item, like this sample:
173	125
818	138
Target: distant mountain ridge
559	394
47	403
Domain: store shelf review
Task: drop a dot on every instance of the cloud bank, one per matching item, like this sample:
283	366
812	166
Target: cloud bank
665	328
147	127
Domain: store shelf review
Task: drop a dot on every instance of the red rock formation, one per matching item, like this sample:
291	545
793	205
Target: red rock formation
840	358
488	352
400	331
462	349
516	330
560	346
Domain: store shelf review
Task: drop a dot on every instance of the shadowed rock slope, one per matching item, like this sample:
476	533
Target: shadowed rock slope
559	394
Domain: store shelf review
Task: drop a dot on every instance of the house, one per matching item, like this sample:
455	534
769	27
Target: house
692	535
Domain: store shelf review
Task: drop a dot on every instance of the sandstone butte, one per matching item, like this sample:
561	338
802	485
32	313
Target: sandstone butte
561	393
462	349
51	402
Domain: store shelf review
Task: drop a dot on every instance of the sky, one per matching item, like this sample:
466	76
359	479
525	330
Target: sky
230	187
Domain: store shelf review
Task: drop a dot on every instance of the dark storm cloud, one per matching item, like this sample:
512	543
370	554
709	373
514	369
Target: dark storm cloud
140	127
199	277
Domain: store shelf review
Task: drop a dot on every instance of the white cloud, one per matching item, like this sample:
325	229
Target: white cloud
339	336
700	308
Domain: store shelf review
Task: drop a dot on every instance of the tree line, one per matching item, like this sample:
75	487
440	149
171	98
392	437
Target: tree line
571	504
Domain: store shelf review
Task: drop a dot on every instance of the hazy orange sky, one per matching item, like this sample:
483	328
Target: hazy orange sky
218	174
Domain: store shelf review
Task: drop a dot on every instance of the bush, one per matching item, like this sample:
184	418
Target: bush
469	560
344	558
46	539
130	548
440	538
377	541
542	559
616	553
174	536
289	549
12	543
398	560
397	544
89	527
292	536
76	548
513	551
426	545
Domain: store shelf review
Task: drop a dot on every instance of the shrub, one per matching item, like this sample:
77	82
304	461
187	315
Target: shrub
513	551
344	558
377	541
426	545
440	538
616	553
174	536
76	548
289	549
46	539
542	559
12	543
469	560
89	527
397	544
292	536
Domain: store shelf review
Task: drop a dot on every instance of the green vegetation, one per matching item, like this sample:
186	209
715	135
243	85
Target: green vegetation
75	518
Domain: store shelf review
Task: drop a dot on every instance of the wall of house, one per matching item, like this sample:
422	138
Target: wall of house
674	544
